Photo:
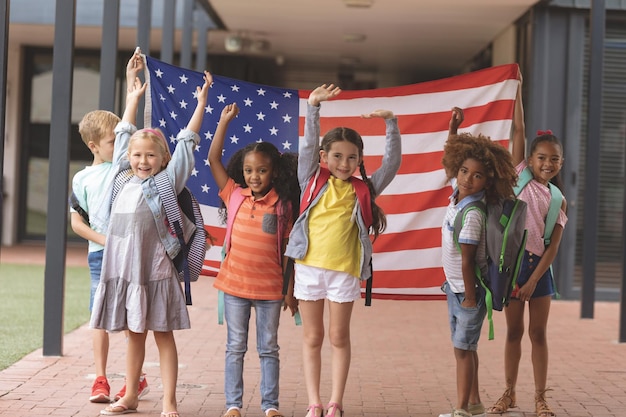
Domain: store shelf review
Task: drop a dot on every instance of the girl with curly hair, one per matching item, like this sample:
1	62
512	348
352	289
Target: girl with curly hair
480	170
259	188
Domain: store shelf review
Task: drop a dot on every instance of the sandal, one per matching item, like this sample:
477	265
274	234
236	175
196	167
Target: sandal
117	408
541	406
169	414
312	410
506	401
335	407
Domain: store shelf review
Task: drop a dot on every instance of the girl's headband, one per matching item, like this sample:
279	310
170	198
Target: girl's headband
156	133
544	132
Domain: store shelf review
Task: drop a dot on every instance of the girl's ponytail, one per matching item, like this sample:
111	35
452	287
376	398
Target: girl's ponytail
379	220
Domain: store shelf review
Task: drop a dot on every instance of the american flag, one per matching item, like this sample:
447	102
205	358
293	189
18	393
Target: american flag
407	256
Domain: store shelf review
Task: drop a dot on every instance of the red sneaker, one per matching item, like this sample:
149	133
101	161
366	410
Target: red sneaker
100	391
141	392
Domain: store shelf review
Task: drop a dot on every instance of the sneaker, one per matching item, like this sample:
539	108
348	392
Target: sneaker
141	392
100	390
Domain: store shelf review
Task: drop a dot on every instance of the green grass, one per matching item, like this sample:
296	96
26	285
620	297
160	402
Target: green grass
21	307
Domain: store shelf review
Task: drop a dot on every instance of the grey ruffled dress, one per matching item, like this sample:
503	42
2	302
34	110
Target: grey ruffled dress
139	288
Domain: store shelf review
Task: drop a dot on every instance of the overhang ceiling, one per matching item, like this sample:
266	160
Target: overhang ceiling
416	36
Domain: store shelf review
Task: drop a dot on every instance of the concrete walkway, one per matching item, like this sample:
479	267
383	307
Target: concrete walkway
402	365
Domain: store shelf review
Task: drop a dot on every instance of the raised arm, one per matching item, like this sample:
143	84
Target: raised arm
455	121
519	128
218	170
134	91
195	123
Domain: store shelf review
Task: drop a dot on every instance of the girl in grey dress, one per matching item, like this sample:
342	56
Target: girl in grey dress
139	288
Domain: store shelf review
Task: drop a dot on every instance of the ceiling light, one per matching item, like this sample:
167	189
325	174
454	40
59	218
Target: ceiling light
359	3
354	37
233	43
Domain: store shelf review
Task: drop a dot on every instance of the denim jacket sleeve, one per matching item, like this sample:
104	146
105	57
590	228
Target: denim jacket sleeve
99	217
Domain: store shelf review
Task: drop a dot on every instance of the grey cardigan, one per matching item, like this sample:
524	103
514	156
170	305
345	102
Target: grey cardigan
308	163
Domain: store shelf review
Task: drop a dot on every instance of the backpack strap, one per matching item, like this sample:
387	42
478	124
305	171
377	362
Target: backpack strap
121	178
73	201
459	220
317	181
522	181
556	201
174	217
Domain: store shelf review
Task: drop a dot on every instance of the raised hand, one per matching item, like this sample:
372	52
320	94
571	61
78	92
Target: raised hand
323	93
384	114
229	112
134	66
455	120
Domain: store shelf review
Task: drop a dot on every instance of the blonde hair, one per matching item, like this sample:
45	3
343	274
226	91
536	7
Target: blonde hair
97	124
157	137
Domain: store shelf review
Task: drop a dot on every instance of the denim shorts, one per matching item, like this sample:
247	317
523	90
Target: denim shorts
312	284
94	259
465	323
544	285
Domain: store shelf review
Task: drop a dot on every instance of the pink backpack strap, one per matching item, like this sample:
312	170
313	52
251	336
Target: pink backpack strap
236	200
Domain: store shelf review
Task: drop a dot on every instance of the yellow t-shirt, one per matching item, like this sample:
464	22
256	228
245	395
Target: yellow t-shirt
333	233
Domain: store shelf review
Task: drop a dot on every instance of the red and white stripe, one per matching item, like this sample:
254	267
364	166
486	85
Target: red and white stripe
407	257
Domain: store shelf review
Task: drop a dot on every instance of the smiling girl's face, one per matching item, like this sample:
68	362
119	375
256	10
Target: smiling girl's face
146	157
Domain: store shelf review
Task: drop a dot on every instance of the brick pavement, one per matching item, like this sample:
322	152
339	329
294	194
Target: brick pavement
402	365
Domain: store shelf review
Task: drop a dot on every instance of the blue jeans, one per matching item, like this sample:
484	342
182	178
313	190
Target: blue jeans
94	260
465	323
237	314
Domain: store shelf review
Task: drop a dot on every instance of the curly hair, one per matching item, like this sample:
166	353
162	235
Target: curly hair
497	160
285	166
340	134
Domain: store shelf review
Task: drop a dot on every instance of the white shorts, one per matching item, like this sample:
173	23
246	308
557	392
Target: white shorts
312	284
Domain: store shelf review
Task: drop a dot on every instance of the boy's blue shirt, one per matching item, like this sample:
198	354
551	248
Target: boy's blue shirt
87	186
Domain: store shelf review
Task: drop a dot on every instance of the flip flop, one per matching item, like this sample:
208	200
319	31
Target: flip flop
117	408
